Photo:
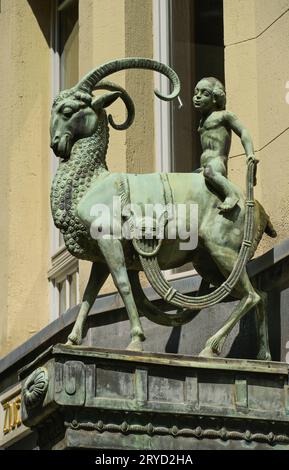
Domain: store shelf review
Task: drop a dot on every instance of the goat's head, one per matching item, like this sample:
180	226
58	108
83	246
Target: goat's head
76	112
74	116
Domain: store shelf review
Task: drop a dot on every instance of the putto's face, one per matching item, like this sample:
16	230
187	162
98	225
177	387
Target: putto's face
203	98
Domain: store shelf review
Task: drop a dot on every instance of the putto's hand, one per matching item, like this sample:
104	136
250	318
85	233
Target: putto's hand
253	159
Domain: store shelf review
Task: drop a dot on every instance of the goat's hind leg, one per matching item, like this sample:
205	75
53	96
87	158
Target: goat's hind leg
225	259
249	300
262	327
114	256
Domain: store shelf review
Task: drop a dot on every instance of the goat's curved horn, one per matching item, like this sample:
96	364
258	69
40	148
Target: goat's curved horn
110	86
90	80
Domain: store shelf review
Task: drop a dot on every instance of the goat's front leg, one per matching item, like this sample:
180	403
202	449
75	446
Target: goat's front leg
114	256
98	275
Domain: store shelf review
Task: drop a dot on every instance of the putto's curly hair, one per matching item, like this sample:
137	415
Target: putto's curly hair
219	91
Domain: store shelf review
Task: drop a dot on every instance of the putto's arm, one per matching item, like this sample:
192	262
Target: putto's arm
241	132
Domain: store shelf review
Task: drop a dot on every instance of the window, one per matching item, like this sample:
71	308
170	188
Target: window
63	274
68	43
197	51
64	278
188	36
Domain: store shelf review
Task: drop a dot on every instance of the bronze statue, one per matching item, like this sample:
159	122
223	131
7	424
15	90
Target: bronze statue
79	136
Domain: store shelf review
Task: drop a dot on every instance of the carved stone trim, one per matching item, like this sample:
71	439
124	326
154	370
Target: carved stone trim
63	263
197	433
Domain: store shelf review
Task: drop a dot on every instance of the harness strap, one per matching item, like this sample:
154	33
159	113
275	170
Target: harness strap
162	287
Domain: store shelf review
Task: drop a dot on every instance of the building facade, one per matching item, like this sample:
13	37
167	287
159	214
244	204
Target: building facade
47	46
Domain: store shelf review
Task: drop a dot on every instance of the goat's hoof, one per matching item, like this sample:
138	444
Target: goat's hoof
69	343
73	340
264	356
207	352
135	346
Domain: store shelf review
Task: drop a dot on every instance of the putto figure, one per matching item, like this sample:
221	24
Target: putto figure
215	128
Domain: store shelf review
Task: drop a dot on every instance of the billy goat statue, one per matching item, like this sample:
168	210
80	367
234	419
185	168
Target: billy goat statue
80	136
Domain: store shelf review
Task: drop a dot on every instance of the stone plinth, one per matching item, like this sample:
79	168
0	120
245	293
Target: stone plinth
82	397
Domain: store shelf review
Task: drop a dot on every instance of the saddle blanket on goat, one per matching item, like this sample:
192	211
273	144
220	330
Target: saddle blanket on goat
145	200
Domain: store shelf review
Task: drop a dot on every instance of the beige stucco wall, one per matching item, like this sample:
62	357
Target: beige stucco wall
123	29
256	61
24	170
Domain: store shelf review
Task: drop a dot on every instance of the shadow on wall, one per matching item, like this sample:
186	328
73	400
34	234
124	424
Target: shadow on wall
45	16
42	12
173	342
245	344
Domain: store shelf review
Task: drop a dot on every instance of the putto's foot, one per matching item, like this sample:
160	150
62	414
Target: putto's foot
229	203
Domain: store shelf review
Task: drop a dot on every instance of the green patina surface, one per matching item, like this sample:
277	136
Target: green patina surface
79	136
122	399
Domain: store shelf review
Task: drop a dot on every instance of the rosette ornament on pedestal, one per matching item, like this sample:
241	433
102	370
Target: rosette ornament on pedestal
35	387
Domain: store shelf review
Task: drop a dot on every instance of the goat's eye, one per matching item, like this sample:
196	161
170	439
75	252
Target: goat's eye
67	112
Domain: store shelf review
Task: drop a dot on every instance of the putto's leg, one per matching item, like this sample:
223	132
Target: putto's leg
223	187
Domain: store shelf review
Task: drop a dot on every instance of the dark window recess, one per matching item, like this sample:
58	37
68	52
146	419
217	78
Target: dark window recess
68	43
197	50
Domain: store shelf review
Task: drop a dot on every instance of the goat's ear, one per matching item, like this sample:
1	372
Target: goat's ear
104	101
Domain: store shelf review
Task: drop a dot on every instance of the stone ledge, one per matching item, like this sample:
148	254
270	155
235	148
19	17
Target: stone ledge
81	388
174	360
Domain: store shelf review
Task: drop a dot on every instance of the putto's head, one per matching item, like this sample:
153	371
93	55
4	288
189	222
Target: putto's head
209	94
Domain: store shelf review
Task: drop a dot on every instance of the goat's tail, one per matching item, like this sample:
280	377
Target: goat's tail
269	229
